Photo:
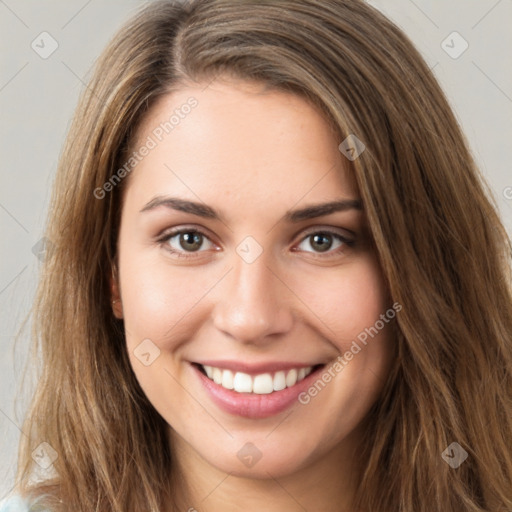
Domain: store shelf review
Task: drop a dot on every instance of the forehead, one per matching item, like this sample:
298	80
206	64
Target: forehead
238	140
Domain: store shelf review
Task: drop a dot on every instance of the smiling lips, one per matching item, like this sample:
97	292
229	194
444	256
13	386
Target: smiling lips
261	379
262	384
254	391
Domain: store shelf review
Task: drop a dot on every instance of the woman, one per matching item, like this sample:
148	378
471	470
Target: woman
275	278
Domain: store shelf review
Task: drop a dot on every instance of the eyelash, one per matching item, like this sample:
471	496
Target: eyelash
164	239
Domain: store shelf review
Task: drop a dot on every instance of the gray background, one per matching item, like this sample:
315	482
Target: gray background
38	95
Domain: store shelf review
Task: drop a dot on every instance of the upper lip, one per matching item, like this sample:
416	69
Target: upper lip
256	368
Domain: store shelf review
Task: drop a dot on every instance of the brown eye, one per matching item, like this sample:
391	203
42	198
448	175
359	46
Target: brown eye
324	242
183	241
190	240
321	242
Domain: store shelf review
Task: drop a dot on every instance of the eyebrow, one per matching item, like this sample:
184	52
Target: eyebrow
298	215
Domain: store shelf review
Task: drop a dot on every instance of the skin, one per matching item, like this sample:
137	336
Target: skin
252	155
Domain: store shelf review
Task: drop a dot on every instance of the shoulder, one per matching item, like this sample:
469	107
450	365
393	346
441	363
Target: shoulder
15	503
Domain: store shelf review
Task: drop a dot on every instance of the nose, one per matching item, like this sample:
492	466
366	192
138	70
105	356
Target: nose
253	303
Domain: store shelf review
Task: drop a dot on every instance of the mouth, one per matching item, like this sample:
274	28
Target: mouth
255	394
263	383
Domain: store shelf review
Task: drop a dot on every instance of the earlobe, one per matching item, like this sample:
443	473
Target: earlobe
117	308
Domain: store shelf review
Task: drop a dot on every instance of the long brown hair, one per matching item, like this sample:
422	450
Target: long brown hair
442	248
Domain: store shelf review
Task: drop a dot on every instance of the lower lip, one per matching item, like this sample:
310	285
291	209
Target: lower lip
252	405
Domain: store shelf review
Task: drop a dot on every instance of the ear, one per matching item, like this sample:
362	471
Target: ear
115	295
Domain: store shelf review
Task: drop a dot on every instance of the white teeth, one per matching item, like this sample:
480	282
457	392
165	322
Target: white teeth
242	383
291	378
227	379
279	381
217	375
262	384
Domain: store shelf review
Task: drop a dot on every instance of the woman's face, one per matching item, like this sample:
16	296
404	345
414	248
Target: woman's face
243	248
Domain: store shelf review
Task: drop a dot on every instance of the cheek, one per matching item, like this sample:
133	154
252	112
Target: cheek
346	300
349	315
158	298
